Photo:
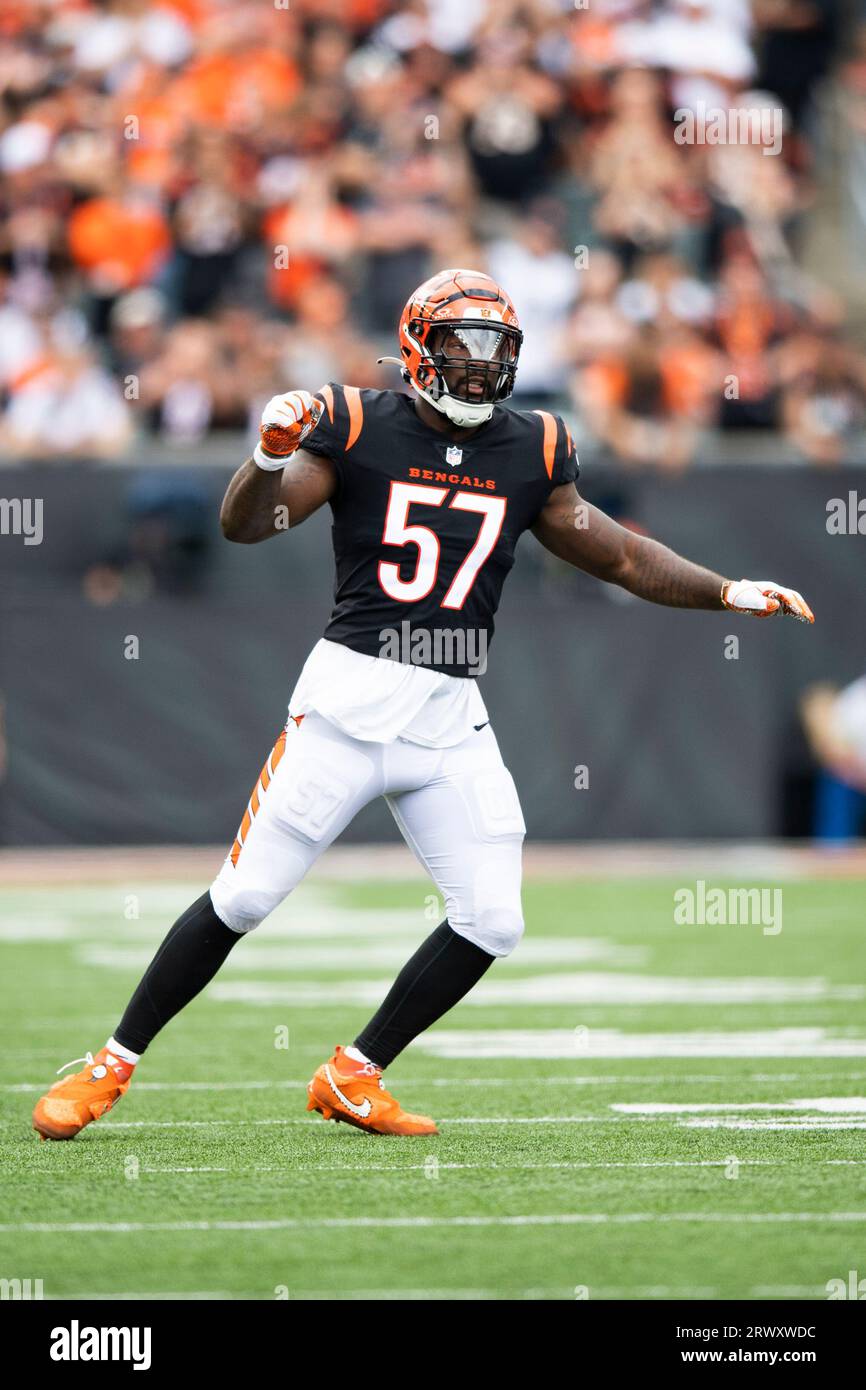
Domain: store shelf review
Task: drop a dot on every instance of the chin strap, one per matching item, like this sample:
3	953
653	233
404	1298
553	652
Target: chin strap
461	413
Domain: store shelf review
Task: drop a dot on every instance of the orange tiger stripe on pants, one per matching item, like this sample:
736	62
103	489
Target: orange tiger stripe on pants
259	789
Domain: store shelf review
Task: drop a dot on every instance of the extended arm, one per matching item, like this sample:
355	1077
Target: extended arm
260	504
585	537
282	484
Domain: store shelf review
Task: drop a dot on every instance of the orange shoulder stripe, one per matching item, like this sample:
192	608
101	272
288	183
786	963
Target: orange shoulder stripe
549	439
356	414
328	397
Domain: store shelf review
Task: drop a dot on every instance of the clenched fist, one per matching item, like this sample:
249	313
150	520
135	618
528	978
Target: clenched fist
286	422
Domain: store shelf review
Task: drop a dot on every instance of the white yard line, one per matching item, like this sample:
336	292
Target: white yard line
368	1294
314	1120
592	1043
561	1292
456	1120
828	1105
726	1122
456	1081
411	1169
418	1222
788	1291
811	1123
195	1295
589	988
368	950
207	1086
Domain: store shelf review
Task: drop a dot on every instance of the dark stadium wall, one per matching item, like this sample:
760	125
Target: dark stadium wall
105	747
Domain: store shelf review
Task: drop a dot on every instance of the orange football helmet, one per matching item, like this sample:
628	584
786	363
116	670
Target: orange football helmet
459	344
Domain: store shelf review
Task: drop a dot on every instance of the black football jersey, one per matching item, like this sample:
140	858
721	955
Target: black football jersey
425	530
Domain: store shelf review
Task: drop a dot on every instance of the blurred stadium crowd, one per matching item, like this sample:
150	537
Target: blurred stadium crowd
207	201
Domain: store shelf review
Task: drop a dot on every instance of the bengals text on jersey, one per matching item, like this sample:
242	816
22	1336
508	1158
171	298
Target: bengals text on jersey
425	530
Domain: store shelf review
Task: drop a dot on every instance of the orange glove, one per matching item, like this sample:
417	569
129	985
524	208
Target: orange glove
761	598
286	422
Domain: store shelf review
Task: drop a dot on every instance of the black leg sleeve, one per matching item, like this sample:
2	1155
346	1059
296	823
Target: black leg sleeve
187	960
442	970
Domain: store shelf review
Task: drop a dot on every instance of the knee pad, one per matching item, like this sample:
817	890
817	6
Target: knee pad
242	899
239	907
497	930
486	907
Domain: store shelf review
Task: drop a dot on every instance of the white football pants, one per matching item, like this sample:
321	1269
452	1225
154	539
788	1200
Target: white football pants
457	808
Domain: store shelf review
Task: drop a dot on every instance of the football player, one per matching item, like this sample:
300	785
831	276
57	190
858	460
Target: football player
429	491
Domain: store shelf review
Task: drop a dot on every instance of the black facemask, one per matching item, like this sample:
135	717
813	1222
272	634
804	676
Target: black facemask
485	370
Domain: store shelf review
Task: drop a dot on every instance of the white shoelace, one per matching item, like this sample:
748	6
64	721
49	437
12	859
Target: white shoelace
370	1069
88	1058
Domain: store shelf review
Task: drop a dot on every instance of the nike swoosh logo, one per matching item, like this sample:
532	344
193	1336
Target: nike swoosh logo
362	1111
476	727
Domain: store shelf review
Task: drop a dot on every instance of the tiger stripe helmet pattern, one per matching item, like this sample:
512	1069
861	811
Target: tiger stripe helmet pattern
468	307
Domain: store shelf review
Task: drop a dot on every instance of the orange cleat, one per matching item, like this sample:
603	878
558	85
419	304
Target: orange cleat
75	1101
343	1089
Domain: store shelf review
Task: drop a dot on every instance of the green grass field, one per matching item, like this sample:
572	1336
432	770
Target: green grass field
556	1171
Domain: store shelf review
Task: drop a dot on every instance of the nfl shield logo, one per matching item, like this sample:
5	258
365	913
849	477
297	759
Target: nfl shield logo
453	455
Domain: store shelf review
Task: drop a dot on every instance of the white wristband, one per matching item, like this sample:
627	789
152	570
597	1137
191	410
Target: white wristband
270	462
